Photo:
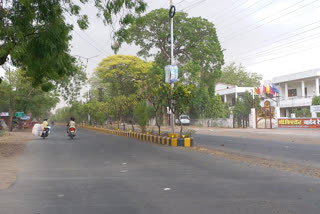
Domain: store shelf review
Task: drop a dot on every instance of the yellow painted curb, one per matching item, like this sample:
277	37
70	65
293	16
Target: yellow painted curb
169	141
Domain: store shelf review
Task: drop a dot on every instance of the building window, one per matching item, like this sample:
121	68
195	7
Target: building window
233	101
292	92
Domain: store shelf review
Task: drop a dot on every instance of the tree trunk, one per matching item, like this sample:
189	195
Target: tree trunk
124	124
132	123
247	121
11	112
157	122
242	121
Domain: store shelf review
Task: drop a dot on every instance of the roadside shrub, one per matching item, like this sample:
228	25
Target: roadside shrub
141	116
304	112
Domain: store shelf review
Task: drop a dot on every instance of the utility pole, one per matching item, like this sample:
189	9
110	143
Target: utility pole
172	61
88	87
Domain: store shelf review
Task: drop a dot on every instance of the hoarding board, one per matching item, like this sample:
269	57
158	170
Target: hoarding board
296	123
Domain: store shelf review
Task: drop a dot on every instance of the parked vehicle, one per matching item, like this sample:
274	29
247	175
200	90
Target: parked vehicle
183	119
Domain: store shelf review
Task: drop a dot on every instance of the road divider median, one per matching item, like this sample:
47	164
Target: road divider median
173	139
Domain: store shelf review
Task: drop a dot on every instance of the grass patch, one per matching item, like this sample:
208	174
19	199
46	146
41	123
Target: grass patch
1	133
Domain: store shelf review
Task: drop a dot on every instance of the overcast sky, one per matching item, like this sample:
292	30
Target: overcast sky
270	37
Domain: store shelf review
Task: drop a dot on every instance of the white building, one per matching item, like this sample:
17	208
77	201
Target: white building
297	90
230	93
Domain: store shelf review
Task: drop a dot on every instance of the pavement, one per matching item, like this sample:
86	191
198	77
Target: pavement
294	152
285	135
100	173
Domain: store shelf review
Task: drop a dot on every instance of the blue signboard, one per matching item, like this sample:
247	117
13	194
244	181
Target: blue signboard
173	73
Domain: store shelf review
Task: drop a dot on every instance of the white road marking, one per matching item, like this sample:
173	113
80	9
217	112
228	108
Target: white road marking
167	189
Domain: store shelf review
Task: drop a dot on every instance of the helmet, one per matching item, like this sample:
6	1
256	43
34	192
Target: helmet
72	118
45	119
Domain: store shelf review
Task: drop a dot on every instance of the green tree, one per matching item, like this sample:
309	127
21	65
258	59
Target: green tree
199	104
156	94
216	109
76	110
122	73
239	112
141	114
316	101
180	99
237	75
200	59
20	95
242	109
69	89
303	112
35	34
124	77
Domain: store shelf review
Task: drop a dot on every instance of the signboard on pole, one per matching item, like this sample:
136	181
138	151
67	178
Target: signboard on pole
173	73
315	109
26	117
19	114
4	114
167	70
168	110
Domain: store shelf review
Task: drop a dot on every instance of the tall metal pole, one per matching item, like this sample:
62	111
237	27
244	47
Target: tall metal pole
87	74
172	62
89	119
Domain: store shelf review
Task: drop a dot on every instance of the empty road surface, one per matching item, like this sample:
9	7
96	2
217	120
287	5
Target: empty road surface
99	173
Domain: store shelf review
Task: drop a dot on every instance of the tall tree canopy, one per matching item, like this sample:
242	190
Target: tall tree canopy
17	94
196	43
237	75
123	79
36	37
122	73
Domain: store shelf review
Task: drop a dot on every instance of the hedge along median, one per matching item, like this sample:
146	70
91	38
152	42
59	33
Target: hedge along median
173	140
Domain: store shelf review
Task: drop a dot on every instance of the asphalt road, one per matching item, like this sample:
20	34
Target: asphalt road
99	173
297	152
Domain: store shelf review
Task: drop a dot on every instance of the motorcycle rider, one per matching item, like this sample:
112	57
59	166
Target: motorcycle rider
45	125
71	124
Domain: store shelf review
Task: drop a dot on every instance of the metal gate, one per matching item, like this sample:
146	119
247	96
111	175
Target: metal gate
265	116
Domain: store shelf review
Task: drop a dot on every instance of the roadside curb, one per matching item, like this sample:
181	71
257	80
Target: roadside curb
174	142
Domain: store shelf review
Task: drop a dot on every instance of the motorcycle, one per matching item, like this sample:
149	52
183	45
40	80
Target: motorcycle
45	132
72	132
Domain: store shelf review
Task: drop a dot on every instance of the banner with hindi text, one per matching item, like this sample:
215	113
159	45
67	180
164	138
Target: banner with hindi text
296	123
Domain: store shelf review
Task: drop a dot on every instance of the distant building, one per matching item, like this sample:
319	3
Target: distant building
297	90
230	93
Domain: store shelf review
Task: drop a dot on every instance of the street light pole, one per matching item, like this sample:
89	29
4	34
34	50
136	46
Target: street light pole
87	74
172	62
88	99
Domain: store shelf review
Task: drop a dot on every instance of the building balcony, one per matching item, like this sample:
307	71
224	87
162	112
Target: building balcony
295	102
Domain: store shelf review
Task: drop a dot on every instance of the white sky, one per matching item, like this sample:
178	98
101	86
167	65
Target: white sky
270	37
